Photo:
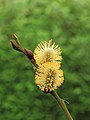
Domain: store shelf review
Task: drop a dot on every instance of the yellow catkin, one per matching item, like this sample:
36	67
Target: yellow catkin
47	52
49	76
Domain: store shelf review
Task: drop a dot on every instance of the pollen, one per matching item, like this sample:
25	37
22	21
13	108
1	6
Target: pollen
49	76
47	52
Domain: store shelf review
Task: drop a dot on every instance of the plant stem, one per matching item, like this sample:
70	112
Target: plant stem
62	105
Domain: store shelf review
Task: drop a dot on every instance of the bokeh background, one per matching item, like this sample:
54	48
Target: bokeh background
67	22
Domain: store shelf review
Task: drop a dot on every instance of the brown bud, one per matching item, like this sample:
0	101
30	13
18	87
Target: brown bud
15	45
29	54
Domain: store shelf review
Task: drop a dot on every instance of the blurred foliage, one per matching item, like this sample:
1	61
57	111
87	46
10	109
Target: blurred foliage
67	22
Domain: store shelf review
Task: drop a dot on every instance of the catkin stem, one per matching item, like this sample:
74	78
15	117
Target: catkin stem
62	105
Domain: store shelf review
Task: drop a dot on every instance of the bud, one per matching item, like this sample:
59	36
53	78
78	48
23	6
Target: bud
16	39
15	45
14	36
29	54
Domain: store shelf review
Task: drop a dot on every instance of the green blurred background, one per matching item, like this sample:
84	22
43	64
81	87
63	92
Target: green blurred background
67	22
